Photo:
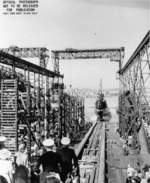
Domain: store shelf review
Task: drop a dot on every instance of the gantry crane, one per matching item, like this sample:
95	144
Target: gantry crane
114	54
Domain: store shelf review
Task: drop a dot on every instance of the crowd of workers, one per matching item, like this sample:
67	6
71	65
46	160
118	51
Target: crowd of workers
138	175
54	165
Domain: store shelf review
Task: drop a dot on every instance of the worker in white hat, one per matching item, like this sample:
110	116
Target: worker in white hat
69	159
6	168
50	161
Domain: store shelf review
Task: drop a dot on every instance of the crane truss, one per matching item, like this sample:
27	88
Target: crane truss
135	77
14	61
114	54
39	52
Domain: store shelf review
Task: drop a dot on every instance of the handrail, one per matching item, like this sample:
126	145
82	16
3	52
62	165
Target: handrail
82	143
101	174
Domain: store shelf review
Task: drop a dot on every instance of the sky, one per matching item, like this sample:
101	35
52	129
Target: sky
81	24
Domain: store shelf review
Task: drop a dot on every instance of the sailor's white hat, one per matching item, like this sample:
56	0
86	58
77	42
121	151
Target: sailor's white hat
48	142
3	138
65	141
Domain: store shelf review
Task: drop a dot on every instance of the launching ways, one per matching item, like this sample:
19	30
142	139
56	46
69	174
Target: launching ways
134	110
37	81
134	78
91	152
102	157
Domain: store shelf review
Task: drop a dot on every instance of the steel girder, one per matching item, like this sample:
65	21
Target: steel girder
114	54
41	53
135	77
14	61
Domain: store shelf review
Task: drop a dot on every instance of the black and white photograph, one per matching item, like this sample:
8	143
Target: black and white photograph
74	91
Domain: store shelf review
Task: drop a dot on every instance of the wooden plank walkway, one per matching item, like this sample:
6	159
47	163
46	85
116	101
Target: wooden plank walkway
92	157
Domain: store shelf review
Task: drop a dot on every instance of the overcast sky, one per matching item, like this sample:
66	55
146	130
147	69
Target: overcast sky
81	24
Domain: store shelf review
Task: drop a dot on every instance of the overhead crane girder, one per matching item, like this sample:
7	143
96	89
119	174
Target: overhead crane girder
114	54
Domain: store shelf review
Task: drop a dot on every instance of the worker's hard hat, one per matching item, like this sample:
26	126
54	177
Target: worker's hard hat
3	138
65	141
48	142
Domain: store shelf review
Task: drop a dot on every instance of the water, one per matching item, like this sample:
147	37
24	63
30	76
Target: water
90	114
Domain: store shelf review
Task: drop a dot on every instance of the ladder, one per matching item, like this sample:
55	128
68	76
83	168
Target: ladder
9	112
23	98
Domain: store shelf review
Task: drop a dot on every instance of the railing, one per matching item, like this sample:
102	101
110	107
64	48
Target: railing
101	174
98	170
80	147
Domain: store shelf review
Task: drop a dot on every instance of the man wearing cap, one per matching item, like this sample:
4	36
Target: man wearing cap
68	155
50	161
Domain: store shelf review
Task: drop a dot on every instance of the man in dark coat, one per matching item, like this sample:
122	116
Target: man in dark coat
68	156
50	161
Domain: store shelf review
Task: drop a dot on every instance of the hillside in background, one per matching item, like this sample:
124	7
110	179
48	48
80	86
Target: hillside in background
92	93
